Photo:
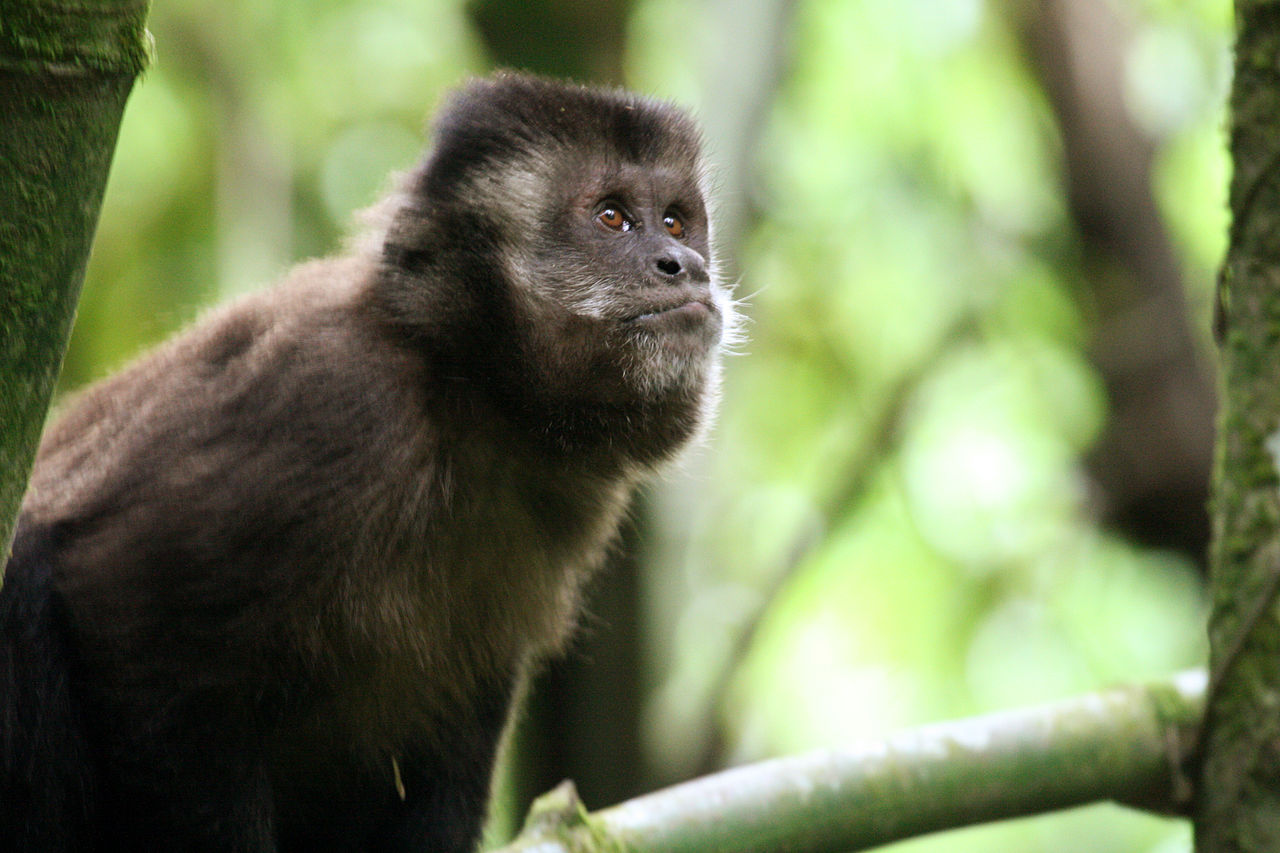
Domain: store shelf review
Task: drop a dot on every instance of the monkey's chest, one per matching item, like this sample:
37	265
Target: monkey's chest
390	741
411	683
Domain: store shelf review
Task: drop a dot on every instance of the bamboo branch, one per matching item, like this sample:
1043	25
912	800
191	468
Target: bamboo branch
1126	744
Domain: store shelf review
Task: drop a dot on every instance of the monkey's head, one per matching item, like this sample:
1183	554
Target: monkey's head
555	246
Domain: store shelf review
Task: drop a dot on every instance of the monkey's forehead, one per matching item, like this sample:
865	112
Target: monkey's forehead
509	115
588	179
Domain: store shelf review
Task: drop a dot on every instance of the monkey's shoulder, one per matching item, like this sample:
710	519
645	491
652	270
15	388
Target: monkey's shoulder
288	370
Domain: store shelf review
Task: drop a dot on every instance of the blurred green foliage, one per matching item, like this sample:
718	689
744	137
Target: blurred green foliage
903	253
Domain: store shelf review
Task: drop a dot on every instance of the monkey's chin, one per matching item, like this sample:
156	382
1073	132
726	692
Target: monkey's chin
673	348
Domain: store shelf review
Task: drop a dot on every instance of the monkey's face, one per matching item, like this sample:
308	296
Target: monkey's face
555	248
624	258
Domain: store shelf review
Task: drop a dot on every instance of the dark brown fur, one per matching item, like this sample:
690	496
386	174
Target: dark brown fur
317	541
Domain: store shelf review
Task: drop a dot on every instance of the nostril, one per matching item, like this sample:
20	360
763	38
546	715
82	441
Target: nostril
670	266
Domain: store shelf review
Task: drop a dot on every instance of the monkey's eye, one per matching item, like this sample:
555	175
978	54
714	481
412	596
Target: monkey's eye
612	218
674	225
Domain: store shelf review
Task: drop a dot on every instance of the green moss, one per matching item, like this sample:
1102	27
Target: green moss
560	815
1240	788
100	35
57	132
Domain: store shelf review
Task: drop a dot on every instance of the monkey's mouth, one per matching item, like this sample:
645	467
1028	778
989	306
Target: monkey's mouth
691	311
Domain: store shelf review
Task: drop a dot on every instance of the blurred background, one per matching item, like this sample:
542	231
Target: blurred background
962	460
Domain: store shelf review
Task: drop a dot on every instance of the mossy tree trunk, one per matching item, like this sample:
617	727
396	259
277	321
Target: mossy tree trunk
1238	808
65	72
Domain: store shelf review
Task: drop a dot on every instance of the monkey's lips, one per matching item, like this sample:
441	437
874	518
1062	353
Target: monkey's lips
690	312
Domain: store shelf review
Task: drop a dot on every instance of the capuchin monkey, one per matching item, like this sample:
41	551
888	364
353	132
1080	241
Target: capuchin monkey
276	586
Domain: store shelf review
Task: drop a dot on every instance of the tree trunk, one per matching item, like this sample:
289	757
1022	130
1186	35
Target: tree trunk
65	72
1239	794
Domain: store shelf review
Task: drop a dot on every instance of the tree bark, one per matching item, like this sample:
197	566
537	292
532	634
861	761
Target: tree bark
65	72
1239	799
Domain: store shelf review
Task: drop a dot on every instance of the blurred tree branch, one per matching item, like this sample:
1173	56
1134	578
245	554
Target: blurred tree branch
65	72
577	39
1126	744
1151	465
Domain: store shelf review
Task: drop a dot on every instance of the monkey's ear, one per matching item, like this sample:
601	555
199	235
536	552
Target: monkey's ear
398	223
373	225
404	243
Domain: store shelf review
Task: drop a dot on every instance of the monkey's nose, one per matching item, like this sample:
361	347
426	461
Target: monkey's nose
681	262
670	266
